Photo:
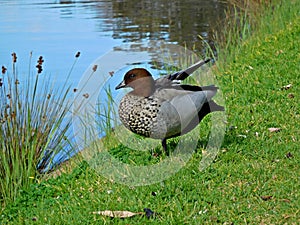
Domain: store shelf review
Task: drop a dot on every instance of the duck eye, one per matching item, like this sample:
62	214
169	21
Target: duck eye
132	76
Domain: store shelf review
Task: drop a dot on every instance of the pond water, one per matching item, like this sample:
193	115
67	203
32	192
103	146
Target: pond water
58	29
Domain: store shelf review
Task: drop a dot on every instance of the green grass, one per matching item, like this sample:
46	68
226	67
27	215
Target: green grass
254	179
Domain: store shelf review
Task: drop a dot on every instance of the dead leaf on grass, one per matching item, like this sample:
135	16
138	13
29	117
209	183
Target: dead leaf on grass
118	214
266	197
153	193
286	87
242	135
289	155
274	129
279	52
149	212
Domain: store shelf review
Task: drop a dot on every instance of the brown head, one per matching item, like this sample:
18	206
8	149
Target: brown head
140	80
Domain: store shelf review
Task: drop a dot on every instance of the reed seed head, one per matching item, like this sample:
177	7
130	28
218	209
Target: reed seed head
95	68
39	66
77	54
14	57
4	69
40	60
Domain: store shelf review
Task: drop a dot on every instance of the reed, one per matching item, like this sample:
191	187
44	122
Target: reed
34	127
242	17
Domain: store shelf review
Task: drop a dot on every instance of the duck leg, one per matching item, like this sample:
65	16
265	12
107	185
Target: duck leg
164	145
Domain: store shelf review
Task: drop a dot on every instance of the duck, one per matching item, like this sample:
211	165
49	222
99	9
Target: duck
164	108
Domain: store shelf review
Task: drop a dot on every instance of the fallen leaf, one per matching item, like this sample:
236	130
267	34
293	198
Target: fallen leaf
117	214
232	127
202	211
279	52
266	197
286	216
286	87
291	95
274	129
289	155
155	154
242	135
224	150
148	212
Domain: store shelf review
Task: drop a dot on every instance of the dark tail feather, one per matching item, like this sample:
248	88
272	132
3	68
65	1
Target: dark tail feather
181	75
209	107
197	88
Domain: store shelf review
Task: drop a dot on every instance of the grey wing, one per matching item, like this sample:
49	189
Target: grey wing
176	114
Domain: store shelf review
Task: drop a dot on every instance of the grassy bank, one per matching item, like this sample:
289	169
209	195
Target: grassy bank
255	178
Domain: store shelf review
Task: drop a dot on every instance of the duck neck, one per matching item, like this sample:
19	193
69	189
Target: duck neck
145	87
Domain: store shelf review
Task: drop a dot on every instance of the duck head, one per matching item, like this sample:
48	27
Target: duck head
140	80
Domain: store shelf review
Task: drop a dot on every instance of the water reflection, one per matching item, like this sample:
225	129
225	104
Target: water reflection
58	29
174	21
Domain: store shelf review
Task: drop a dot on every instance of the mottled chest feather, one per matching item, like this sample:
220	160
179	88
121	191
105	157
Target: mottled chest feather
139	114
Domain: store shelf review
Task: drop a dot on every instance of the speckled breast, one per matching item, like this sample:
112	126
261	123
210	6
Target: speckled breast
140	115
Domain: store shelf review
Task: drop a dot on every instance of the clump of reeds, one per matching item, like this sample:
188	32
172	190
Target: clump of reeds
241	18
34	127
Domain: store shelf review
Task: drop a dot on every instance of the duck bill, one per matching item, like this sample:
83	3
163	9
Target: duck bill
121	85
